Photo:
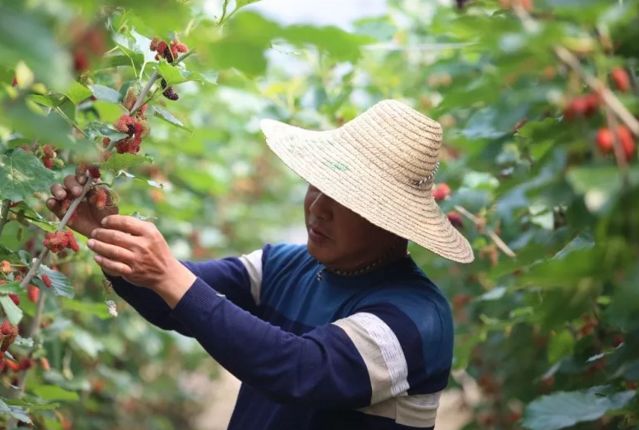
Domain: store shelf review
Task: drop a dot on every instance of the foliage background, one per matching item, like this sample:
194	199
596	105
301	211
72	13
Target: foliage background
550	335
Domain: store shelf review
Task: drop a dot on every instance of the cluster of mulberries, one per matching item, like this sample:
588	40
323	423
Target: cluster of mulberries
59	240
135	126
170	52
49	156
8	333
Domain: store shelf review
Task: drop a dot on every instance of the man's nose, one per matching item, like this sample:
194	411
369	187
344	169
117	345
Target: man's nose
322	205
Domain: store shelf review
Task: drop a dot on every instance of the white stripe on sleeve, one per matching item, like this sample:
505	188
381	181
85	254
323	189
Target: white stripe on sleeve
418	410
253	264
381	351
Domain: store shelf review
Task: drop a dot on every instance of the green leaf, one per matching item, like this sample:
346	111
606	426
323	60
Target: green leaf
96	129
53	392
600	185
21	175
96	309
565	409
27	36
242	3
11	287
86	342
249	34
168	117
13	312
59	282
33	122
560	345
172	74
117	162
339	44
16	412
78	92
107	94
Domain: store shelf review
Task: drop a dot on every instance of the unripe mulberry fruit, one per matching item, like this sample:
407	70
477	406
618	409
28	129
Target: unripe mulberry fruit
582	106
5	266
621	79
56	241
99	198
441	192
605	140
626	140
46	281
124	124
72	243
44	363
49	151
10	364
455	219
26	363
15	298
5	328
33	293
48	162
154	44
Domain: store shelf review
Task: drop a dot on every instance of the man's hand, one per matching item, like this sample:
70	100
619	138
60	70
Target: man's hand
137	251
87	216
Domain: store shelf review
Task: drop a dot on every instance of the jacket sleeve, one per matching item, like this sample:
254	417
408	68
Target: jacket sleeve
232	277
322	366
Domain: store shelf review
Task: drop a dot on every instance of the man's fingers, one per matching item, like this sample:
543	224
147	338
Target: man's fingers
127	224
71	183
113	267
112	252
114	237
53	205
58	191
80	174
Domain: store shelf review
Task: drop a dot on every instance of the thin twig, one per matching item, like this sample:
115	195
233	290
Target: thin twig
154	77
4	213
224	6
495	238
138	102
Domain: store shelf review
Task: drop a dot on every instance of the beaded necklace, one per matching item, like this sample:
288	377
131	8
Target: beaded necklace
366	269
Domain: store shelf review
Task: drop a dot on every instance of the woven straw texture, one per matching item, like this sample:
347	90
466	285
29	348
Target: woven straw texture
379	165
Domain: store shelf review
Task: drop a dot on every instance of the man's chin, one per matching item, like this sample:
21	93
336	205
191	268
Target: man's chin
317	252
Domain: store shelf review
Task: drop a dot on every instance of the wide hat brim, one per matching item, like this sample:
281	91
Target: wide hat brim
339	163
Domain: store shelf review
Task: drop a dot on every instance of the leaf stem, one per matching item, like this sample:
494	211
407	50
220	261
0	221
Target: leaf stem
4	213
154	77
495	238
224	7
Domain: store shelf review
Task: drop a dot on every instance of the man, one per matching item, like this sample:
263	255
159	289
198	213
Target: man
345	332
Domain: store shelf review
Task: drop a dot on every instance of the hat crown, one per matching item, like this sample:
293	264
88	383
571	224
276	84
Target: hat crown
398	138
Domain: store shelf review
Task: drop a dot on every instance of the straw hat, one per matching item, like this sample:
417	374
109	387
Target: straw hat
381	165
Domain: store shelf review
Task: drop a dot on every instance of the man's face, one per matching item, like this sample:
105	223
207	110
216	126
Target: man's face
339	237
